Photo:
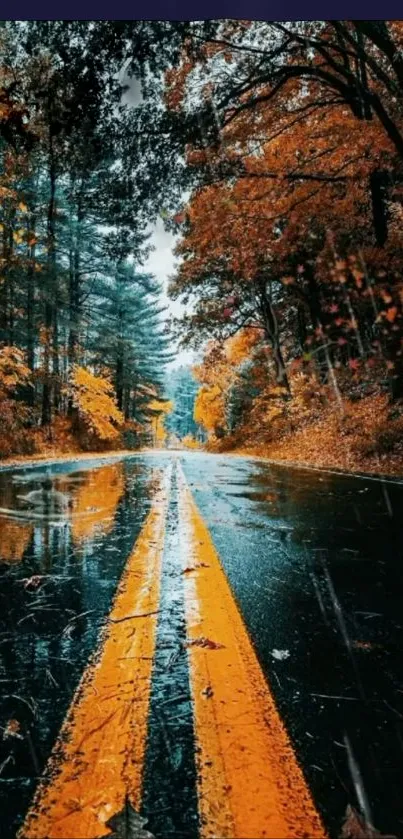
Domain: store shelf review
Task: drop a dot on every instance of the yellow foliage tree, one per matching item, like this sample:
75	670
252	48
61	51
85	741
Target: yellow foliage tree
209	409
14	413
190	442
94	400
13	370
160	409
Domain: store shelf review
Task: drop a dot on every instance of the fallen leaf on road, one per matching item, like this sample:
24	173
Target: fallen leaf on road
128	824
194	567
280	655
355	826
34	581
12	729
208	692
363	645
204	642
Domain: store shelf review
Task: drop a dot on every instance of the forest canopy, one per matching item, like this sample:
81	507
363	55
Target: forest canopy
273	151
290	236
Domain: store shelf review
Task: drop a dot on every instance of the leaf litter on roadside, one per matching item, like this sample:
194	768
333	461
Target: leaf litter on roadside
128	824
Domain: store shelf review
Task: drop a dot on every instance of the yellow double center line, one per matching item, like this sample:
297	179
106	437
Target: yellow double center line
249	782
99	756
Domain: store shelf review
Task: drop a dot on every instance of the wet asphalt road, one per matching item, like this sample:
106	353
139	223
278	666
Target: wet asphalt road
314	561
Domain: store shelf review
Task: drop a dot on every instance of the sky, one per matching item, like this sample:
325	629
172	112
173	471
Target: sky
161	261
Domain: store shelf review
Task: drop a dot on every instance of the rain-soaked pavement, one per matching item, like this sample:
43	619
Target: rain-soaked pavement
314	562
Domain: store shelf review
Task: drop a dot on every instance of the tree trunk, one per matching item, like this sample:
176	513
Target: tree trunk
378	183
271	330
74	289
119	381
50	289
316	316
31	299
11	291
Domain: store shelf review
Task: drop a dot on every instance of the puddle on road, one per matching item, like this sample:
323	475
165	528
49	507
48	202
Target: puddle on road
65	535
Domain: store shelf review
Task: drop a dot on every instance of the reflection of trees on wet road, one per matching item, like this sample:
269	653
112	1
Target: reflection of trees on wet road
60	563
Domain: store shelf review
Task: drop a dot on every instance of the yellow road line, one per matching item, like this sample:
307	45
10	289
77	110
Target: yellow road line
250	785
98	758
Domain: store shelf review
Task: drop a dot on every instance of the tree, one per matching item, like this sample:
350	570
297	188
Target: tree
93	397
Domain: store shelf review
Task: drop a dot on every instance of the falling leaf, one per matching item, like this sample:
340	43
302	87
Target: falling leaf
359	276
128	824
12	729
391	314
204	642
355	826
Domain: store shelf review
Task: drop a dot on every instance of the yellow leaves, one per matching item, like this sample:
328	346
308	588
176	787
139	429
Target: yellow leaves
162	406
19	236
5	192
190	442
22	207
209	409
240	346
13	370
94	399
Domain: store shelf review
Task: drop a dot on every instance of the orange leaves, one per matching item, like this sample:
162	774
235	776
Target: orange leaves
391	314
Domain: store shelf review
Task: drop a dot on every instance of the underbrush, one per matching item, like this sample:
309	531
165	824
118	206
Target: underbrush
357	434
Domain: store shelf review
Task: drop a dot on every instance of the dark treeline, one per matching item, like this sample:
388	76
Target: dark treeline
75	222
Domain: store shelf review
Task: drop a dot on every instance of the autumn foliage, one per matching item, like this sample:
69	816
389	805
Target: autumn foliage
94	399
15	378
291	237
